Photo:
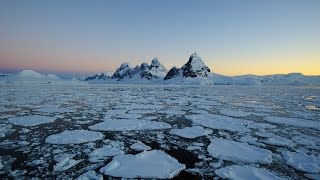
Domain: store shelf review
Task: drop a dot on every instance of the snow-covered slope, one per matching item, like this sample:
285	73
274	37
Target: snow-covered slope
33	77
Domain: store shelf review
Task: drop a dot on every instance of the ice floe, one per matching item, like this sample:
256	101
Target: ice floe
302	162
245	173
65	164
293	122
32	120
103	153
191	132
219	122
128	125
90	175
234	113
147	164
139	146
236	151
74	137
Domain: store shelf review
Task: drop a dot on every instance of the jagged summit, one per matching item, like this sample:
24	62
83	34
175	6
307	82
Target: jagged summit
195	67
143	71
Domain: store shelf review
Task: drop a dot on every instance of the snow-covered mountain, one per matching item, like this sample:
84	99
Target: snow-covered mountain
33	77
193	72
144	73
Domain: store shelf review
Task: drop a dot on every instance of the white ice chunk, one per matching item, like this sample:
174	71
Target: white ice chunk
293	122
191	132
234	113
237	151
128	125
101	154
280	141
90	175
65	164
31	120
245	172
139	146
302	162
74	137
147	164
219	122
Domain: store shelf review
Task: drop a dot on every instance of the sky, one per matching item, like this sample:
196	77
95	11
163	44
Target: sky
233	37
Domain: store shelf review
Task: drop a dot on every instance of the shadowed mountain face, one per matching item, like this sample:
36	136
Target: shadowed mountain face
195	67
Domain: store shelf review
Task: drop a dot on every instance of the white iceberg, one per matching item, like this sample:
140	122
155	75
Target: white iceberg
128	125
236	151
191	132
147	164
31	120
245	172
74	137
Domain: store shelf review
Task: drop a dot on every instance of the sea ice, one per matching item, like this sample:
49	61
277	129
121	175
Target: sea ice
139	146
234	113
74	137
293	122
90	175
245	172
31	120
191	132
101	154
65	164
236	151
147	164
128	125
219	122
302	162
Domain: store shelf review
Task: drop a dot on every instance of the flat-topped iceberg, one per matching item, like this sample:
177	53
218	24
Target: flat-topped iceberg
147	164
74	137
128	125
238	152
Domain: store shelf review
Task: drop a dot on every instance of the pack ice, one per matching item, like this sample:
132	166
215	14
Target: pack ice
147	164
74	137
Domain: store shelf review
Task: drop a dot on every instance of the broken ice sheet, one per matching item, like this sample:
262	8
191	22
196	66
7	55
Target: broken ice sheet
128	125
147	164
245	173
32	120
238	152
74	137
191	132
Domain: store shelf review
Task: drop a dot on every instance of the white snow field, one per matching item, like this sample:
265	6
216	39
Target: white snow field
147	164
104	131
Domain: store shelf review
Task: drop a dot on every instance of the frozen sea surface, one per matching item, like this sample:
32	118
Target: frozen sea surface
180	132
